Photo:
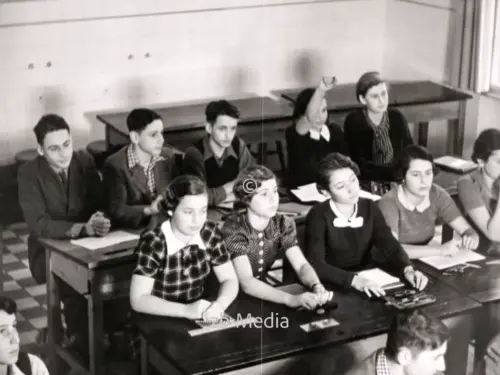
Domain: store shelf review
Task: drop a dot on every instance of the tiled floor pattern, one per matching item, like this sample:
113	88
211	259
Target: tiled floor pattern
31	297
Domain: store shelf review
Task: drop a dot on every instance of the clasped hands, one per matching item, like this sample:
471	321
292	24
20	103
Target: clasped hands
98	225
310	300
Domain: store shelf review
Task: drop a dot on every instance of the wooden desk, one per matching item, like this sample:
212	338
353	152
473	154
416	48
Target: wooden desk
262	119
420	102
363	323
99	277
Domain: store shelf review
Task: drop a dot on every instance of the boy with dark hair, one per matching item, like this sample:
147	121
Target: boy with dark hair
60	191
218	157
136	174
416	345
12	360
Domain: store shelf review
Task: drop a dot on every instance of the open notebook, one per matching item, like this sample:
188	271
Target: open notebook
441	262
382	278
310	193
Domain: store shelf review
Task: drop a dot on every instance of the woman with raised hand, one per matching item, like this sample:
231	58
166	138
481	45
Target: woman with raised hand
257	236
176	257
311	136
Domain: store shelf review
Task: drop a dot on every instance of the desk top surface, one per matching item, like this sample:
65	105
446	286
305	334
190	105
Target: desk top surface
343	97
123	252
179	117
481	284
240	347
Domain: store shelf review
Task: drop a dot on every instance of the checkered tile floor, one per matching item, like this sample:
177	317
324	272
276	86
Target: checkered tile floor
30	297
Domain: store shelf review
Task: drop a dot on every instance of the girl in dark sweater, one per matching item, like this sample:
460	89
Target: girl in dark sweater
375	134
341	232
309	139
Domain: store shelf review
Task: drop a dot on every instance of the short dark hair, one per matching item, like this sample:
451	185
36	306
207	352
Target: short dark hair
219	108
409	153
47	124
487	142
8	305
329	164
301	103
257	174
177	189
138	119
416	331
366	82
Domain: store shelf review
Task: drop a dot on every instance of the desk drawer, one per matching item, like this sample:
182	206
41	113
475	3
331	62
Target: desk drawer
74	274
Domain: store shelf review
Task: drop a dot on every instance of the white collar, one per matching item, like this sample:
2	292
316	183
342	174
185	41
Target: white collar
421	207
174	244
342	221
324	132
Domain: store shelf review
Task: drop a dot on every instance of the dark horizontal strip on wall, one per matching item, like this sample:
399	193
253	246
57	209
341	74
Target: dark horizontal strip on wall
111	17
435	6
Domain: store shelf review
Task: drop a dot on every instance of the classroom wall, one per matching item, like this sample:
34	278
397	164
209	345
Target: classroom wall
420	44
76	58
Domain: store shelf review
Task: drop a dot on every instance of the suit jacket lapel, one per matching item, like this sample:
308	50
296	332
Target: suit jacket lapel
53	183
75	184
161	175
138	177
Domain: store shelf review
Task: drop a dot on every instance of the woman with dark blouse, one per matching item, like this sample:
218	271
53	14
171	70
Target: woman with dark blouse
375	134
309	139
175	258
258	236
342	231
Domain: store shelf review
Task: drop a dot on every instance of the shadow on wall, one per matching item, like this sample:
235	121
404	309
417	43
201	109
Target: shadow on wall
308	68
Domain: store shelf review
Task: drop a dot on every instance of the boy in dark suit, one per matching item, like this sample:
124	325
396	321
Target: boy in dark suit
60	195
135	175
218	157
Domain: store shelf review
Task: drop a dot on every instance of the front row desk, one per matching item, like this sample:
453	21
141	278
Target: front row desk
105	273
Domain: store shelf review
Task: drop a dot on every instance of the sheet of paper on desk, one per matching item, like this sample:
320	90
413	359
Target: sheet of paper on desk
455	163
382	278
442	262
112	238
309	193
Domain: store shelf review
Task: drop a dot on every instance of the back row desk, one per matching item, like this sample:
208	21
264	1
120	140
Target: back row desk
264	119
105	274
419	101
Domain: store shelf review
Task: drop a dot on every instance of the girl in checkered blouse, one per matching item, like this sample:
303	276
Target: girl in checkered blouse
176	257
258	236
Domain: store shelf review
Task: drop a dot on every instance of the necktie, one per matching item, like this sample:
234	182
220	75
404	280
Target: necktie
64	179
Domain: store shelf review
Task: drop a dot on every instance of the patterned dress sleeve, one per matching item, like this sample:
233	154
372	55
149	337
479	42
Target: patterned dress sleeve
150	251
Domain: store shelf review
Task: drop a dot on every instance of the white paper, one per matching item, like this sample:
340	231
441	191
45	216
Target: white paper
454	162
442	262
112	238
379	277
368	195
309	193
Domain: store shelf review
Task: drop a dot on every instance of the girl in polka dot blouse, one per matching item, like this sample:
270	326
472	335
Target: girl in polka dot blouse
258	236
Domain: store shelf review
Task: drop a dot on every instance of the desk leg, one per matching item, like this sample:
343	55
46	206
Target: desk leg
1	258
96	331
457	354
423	133
456	132
144	356
54	326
